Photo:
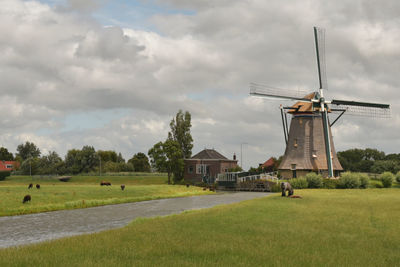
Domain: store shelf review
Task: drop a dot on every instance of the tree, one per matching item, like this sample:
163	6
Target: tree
359	160
140	162
5	155
158	158
73	161
120	159
28	150
175	163
89	159
107	155
51	164
167	156
30	166
85	160
381	166
180	132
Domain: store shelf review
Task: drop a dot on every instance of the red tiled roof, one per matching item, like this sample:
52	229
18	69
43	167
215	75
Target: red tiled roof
270	162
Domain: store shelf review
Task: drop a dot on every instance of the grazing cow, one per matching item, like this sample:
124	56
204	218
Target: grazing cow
122	187
286	187
204	188
30	186
26	199
105	183
295	196
38	186
187	185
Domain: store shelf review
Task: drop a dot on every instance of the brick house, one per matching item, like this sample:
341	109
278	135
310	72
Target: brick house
209	163
8	165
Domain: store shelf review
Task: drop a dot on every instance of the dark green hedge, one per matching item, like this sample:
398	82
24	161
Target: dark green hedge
4	174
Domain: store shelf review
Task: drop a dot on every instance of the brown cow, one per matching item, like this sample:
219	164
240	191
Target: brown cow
30	186
122	187
38	186
26	199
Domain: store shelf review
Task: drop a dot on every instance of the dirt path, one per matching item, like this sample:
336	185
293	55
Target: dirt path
32	228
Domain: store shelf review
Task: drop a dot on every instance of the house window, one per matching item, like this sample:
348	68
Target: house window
190	169
9	166
201	168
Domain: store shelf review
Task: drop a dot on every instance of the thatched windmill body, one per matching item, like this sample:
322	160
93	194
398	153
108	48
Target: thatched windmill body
309	143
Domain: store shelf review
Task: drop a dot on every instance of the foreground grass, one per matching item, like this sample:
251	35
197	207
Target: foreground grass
325	228
82	192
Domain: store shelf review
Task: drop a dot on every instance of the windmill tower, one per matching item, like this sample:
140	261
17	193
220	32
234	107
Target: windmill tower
309	143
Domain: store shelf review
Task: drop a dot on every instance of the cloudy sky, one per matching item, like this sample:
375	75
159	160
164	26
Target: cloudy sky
112	74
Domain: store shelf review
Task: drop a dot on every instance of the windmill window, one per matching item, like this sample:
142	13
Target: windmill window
295	143
293	166
301	121
314	154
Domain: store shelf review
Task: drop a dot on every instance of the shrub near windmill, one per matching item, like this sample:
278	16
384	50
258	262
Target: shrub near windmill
309	144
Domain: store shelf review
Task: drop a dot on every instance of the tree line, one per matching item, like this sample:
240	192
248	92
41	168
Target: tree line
369	160
165	156
76	161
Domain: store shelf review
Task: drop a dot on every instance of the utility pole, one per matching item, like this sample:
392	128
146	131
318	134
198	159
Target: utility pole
241	154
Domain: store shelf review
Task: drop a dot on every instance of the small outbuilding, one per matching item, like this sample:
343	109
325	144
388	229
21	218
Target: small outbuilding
207	164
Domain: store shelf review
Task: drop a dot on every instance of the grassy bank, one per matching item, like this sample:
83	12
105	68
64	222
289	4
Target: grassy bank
82	192
325	228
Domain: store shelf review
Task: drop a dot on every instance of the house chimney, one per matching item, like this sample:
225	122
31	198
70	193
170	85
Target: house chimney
234	156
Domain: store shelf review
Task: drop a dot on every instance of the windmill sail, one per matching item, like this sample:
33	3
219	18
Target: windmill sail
268	91
361	108
319	35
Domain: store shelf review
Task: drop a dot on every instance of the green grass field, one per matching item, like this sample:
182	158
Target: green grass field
325	228
84	191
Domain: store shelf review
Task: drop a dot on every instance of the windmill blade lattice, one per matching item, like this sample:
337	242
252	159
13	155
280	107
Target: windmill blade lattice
268	91
319	35
372	110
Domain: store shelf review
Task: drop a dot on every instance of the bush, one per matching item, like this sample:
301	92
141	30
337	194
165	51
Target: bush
364	181
387	179
349	180
276	187
398	176
299	183
330	183
314	180
4	174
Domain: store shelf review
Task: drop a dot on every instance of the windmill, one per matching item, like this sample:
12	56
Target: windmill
309	144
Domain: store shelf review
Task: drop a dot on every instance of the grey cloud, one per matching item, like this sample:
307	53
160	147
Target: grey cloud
82	5
109	44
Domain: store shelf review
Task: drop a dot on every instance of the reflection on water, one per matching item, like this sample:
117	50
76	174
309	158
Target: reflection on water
32	228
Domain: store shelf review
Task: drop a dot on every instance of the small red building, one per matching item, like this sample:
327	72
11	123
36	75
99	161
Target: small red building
268	166
8	165
207	163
